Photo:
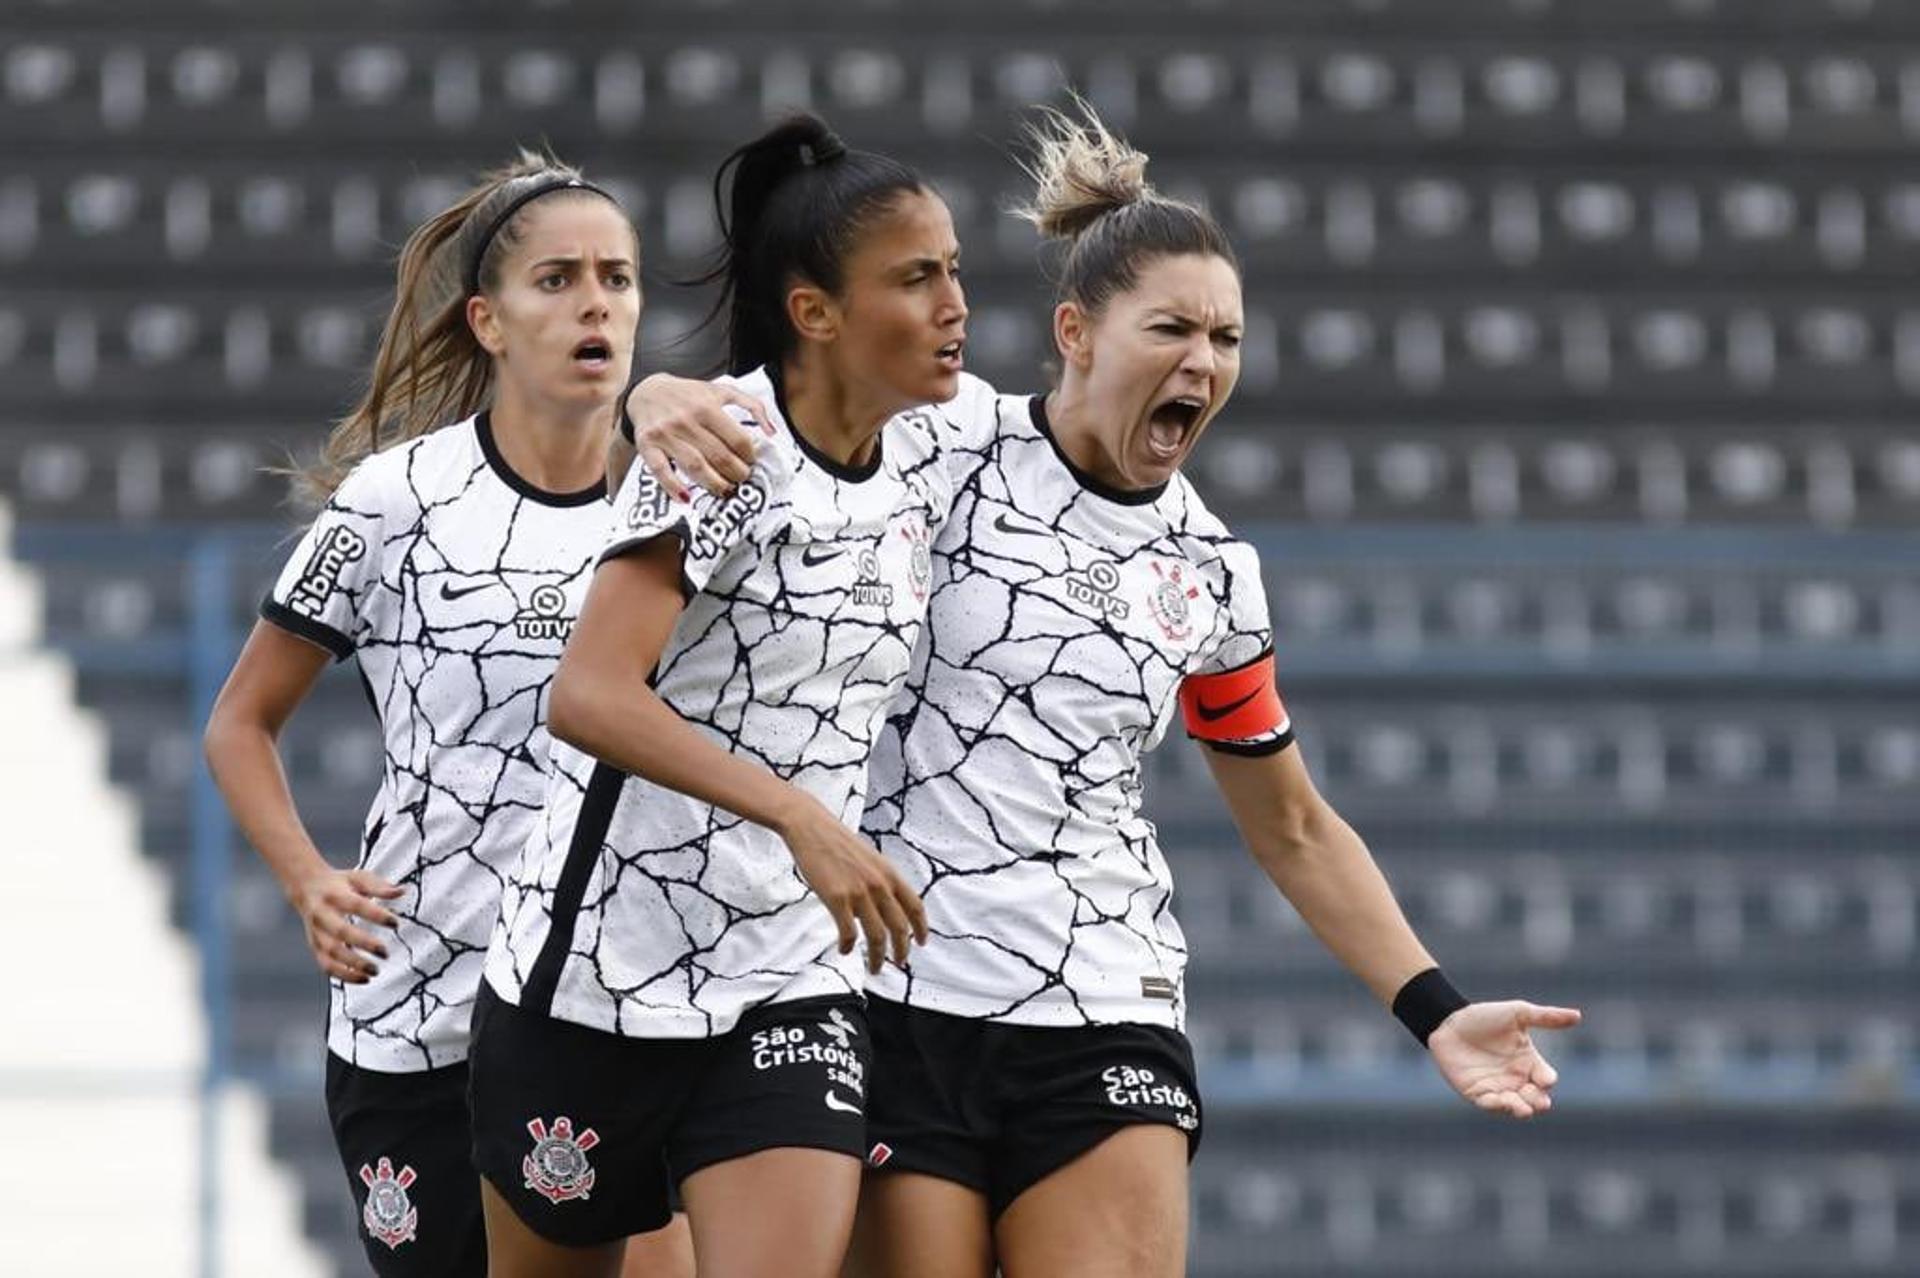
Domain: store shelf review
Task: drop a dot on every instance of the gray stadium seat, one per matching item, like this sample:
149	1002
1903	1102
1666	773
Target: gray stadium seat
1574	429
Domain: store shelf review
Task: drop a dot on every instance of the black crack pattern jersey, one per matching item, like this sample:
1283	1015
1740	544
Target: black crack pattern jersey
642	911
1065	619
455	583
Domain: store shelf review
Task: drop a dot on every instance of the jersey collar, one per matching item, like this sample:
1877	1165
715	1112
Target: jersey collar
483	427
839	470
1037	408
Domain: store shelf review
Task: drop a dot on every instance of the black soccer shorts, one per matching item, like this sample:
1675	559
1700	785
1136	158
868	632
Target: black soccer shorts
585	1132
406	1143
998	1108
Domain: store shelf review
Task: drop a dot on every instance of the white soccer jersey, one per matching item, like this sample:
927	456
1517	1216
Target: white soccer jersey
454	582
1066	619
642	911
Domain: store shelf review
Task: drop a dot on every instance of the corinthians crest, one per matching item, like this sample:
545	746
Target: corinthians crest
920	561
389	1214
1168	601
558	1169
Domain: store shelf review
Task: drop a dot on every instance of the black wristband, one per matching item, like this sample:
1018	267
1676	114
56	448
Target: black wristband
1425	1001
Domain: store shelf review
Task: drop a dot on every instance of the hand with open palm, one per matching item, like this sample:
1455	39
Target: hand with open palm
1485	1052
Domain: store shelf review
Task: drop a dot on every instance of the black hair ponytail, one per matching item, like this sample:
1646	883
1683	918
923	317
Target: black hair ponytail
792	204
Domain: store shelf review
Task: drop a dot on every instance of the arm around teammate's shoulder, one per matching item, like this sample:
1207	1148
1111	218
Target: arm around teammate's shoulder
681	426
1484	1049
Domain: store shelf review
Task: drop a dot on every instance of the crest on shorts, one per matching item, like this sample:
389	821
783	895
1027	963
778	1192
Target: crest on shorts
1168	601
558	1169
389	1214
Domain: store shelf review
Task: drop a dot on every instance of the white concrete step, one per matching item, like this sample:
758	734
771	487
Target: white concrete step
105	1035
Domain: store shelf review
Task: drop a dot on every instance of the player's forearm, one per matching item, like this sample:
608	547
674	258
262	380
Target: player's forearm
1324	869
245	761
637	732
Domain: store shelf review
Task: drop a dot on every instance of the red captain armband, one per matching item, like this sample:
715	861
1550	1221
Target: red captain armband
1234	705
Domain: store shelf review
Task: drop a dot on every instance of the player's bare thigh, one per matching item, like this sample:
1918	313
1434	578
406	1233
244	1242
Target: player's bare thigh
1117	1211
779	1213
515	1251
915	1226
665	1253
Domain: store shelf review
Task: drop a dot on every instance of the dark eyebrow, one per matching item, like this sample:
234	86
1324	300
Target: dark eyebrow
575	261
928	263
1162	312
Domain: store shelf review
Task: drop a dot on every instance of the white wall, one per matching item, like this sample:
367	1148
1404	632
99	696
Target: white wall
101	1034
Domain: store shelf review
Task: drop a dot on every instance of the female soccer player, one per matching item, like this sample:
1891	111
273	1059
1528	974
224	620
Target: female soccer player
1035	1103
465	500
671	995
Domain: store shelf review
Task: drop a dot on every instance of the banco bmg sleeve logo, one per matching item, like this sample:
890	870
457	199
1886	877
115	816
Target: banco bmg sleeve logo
337	547
651	502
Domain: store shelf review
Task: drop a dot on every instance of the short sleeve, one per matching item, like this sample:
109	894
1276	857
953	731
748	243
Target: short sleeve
709	527
324	591
1231	700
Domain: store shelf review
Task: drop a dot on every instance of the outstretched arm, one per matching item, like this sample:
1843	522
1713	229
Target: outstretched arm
1484	1050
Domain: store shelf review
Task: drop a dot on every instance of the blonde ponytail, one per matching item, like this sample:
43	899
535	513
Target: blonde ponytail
1091	192
1080	172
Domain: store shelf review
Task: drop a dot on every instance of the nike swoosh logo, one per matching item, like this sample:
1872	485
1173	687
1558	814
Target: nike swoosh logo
845	1107
814	556
1000	524
1210	713
448	593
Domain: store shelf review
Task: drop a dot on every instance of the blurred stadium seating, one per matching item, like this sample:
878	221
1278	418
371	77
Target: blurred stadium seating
1577	429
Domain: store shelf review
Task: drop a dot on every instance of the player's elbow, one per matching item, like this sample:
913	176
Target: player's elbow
570	708
230	731
564	711
214	737
1294	832
224	722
